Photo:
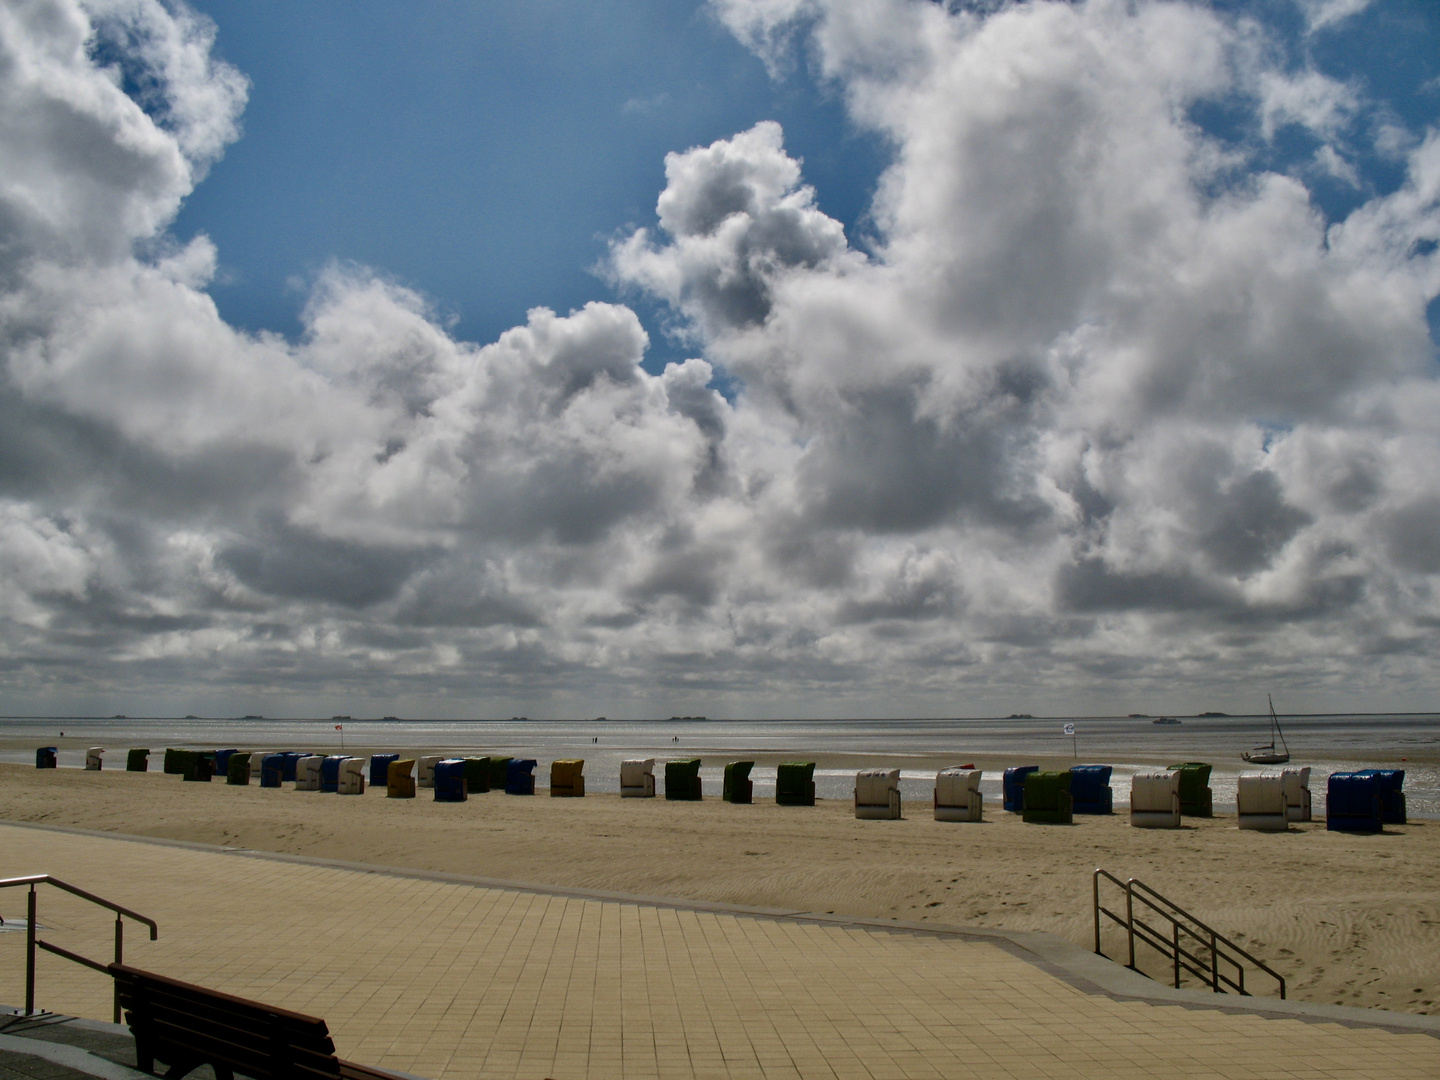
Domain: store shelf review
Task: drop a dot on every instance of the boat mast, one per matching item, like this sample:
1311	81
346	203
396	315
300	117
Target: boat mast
1275	726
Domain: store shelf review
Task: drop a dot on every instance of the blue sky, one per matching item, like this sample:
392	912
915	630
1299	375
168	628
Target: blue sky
563	359
482	153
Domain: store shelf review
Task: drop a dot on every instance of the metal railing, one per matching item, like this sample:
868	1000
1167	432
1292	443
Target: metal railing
1189	944
32	942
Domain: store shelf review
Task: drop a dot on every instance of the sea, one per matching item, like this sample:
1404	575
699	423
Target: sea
1334	743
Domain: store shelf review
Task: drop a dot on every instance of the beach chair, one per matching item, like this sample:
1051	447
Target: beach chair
1392	794
957	795
1297	793
1155	800
425	769
289	764
738	787
307	773
1047	799
272	770
448	780
1260	802
1196	799
330	772
199	767
137	760
477	775
95	759
795	783
175	761
1090	789
46	757
520	776
399	784
682	780
499	772
877	794
237	770
1012	787
1354	802
352	777
637	778
222	761
567	778
380	768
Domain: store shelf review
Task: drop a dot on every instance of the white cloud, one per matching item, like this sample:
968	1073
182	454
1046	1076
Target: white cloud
1323	14
1098	400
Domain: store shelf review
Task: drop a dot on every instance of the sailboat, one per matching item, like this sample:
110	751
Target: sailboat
1268	755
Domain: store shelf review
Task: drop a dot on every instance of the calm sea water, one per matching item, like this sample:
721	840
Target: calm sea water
1326	743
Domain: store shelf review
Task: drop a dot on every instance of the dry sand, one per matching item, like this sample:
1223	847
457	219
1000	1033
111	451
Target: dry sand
1346	919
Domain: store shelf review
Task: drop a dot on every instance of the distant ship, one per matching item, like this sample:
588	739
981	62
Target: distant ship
1165	720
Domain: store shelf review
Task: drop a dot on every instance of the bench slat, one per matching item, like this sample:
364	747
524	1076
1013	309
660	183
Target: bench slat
185	1025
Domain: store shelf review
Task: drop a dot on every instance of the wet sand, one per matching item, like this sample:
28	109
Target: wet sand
1347	919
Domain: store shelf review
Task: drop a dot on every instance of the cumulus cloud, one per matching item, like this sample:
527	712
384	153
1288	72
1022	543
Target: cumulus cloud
1102	395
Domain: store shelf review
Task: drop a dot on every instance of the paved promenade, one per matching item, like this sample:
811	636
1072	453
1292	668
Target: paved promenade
453	980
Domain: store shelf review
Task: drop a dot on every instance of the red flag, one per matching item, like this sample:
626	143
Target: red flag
339	727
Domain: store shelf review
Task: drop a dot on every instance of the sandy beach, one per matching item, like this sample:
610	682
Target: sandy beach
1346	919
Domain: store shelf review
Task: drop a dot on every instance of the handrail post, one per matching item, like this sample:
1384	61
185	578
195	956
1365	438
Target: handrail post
30	956
1215	965
119	957
1175	945
1130	920
1095	895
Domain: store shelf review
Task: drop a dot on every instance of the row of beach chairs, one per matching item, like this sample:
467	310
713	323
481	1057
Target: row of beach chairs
1363	801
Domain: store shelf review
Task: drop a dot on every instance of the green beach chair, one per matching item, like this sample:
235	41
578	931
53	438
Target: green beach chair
137	760
477	775
1195	795
237	770
499	772
739	788
200	767
682	780
795	783
176	761
1047	799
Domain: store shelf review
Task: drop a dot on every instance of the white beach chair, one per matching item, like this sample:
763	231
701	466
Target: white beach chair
94	758
425	769
957	795
637	778
1155	800
877	794
307	773
1297	793
1260	801
352	777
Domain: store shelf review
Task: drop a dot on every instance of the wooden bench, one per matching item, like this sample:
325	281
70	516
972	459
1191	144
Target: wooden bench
187	1026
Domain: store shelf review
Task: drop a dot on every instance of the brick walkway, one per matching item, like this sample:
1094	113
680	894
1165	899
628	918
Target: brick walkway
453	981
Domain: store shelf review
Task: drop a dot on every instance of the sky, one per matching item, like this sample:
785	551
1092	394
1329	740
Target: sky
742	358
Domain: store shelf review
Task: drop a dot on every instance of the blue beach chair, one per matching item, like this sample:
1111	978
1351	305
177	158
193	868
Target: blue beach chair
449	780
519	776
1392	794
1090	789
272	770
330	773
380	768
1013	787
1354	803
